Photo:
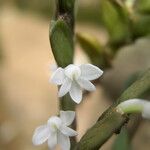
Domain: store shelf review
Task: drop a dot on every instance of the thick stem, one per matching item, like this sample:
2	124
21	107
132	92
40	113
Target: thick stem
62	44
65	11
111	121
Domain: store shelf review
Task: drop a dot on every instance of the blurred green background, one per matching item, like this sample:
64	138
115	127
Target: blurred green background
26	62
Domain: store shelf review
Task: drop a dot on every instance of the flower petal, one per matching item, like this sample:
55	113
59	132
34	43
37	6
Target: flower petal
146	110
68	131
41	134
63	141
72	71
58	76
85	84
76	92
67	117
52	140
64	89
90	72
53	122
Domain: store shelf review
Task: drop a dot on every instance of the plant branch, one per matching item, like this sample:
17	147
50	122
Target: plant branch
111	121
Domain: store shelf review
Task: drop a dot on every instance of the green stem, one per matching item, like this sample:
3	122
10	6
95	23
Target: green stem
65	10
62	44
65	13
111	121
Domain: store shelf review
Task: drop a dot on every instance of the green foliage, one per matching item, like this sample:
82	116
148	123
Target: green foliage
97	53
115	20
123	26
122	141
88	14
141	26
100	132
91	47
131	79
65	10
143	6
62	43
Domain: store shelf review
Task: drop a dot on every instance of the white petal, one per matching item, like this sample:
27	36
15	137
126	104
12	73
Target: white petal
54	123
52	140
58	76
130	102
76	92
72	71
64	89
141	105
135	105
90	72
146	109
68	131
130	106
67	117
85	84
41	134
53	67
63	141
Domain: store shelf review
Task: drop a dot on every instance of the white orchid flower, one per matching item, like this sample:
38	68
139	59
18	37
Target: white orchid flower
135	106
75	78
56	131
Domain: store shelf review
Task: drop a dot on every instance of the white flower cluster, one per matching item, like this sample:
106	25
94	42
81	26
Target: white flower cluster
73	79
56	131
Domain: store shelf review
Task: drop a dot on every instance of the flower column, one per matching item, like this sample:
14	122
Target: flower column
61	40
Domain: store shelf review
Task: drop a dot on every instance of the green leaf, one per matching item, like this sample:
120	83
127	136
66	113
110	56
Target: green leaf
115	20
122	141
98	54
91	47
90	44
141	25
61	39
143	6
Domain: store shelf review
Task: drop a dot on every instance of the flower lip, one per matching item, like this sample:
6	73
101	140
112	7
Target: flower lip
73	72
54	123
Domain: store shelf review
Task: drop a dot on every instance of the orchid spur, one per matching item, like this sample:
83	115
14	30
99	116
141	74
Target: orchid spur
74	79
